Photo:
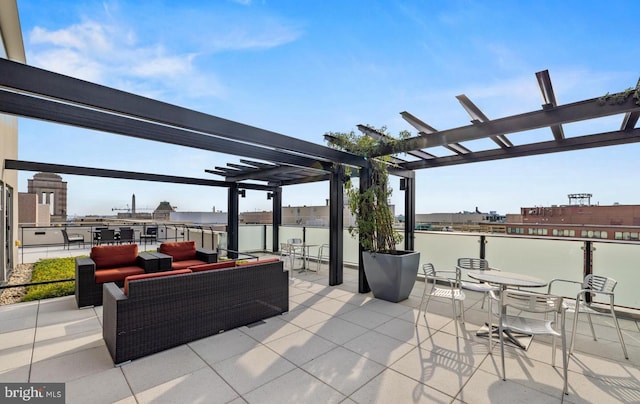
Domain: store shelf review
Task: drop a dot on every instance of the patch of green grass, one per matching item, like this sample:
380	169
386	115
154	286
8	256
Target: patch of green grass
49	270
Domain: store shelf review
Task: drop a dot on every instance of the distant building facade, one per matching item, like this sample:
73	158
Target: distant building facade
614	215
32	213
466	218
163	211
585	221
50	190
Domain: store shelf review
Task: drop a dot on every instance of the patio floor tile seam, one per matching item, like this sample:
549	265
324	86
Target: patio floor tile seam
317	378
33	342
389	369
124	375
210	366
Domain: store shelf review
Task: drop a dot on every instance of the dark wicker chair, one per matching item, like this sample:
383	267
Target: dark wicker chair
107	236
126	235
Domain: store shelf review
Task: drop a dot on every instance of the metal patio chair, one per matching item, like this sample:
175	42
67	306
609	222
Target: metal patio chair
445	285
72	238
595	286
477	264
535	305
323	254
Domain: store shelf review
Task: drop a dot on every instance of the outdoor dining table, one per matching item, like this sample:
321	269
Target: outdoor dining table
304	247
505	280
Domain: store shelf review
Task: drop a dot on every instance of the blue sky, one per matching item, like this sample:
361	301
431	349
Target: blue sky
303	68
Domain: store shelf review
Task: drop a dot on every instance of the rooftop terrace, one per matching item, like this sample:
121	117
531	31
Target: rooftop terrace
334	345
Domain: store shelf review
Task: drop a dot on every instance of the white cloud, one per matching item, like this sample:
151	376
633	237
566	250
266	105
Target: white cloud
111	55
260	34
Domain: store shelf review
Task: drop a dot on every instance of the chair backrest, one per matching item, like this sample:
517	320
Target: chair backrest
430	273
65	235
179	250
428	270
107	234
473	263
152	231
323	251
532	302
599	283
284	247
126	234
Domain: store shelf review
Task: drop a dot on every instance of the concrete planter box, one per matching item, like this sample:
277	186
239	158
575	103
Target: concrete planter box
391	276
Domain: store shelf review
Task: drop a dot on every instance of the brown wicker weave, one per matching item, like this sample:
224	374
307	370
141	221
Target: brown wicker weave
161	313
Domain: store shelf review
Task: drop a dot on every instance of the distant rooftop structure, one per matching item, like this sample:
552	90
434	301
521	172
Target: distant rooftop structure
580	199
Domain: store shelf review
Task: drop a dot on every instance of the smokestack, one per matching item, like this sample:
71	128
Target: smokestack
133	204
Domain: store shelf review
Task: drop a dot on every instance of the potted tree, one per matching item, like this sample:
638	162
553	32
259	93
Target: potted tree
391	273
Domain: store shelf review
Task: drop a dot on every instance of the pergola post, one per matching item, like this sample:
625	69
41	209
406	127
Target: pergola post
336	225
276	199
408	185
363	285
233	226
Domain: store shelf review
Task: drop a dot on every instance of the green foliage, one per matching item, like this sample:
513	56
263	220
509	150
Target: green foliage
374	220
49	270
621	97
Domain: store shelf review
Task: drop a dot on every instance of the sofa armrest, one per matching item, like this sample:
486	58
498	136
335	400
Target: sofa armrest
85	274
112	297
112	292
208	256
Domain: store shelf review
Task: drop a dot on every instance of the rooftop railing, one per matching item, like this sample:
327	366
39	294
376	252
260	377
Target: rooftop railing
543	257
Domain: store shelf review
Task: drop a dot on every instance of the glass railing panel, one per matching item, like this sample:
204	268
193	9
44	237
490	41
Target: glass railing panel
350	248
287	232
443	249
543	258
620	262
315	237
251	238
269	239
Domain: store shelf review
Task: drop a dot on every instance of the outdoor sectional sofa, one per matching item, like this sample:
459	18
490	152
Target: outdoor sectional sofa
163	310
106	263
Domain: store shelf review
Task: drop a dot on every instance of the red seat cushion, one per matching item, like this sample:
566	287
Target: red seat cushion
151	275
210	267
186	264
112	256
179	250
116	274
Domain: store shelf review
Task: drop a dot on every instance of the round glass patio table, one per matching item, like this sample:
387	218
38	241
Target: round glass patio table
506	279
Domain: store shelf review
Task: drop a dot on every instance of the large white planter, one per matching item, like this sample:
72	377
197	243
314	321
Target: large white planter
391	276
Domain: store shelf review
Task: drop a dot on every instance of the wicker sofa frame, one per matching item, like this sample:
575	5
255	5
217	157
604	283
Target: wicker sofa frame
164	312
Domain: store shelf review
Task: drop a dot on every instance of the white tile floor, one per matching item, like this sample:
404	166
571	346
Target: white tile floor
334	345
